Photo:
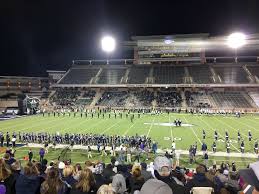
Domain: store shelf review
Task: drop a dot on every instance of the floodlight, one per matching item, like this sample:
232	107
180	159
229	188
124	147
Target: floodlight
108	44
168	41
236	40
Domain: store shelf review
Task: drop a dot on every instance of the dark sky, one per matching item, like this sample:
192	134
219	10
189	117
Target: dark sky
36	35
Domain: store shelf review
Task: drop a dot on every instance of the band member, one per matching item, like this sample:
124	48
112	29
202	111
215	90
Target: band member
249	135
214	147
242	147
216	135
203	134
256	147
228	147
226	136
89	152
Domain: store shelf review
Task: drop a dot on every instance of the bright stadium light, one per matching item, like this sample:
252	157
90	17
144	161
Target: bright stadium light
236	40
108	44
168	41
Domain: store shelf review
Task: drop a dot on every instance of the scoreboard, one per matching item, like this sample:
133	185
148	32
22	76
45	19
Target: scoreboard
177	48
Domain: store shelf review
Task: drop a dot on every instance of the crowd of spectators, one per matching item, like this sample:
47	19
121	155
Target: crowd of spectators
65	97
113	98
193	100
159	177
169	99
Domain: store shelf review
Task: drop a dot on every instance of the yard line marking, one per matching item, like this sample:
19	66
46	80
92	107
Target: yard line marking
172	136
210	127
193	132
250	127
111	127
150	127
125	133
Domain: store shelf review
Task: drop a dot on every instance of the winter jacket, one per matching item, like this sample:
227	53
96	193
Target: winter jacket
199	180
27	184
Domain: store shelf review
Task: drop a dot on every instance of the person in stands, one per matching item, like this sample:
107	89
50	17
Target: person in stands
29	181
86	183
7	180
53	183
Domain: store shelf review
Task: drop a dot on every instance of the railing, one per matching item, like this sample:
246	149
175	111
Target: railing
228	59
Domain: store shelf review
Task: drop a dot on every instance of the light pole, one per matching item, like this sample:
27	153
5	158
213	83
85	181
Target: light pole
108	45
236	40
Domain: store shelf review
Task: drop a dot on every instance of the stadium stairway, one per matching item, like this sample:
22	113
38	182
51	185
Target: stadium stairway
212	102
124	79
98	95
250	77
249	99
215	77
184	104
255	97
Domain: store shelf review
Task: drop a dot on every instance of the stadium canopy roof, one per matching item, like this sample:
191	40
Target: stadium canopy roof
173	37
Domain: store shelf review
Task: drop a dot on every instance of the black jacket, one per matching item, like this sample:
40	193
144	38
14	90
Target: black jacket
199	180
172	184
9	184
135	184
27	184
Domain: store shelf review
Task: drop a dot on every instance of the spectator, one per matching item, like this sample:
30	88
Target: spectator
146	174
86	183
199	179
8	159
7	179
119	184
136	180
105	189
68	173
108	173
154	186
89	165
98	176
29	182
78	170
162	171
53	183
251	177
16	169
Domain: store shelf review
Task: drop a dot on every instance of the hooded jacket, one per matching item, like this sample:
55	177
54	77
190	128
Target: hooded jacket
27	184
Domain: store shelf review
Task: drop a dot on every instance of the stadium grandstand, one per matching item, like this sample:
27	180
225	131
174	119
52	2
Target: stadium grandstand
185	115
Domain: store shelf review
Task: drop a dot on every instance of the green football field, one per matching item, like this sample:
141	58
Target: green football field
158	127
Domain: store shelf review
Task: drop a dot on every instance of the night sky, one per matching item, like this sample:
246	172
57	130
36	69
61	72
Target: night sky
36	35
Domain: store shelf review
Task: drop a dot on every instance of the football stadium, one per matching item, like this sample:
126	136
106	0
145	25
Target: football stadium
181	114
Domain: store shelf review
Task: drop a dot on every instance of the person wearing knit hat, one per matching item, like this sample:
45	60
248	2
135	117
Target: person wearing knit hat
154	186
119	184
163	172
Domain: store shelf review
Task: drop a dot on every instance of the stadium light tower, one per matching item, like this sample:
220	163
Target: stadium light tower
235	41
108	44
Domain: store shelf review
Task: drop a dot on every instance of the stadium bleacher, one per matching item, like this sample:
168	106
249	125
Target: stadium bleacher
138	74
231	100
167	98
111	75
231	74
168	74
200	74
79	76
